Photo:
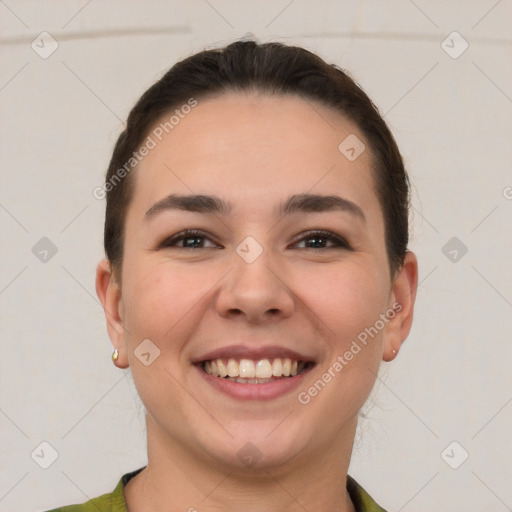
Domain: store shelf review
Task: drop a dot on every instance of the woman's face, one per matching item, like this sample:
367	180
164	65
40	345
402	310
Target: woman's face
256	283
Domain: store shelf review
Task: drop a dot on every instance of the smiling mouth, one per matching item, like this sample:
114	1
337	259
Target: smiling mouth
249	371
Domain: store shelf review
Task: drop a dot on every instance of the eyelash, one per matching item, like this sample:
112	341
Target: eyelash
338	241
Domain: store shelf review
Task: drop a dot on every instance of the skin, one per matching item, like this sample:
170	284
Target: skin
253	151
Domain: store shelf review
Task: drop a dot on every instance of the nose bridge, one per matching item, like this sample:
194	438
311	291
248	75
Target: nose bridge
253	288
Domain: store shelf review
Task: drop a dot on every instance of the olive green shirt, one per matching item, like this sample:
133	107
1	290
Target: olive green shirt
115	502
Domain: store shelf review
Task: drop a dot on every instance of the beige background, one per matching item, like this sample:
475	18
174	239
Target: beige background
60	116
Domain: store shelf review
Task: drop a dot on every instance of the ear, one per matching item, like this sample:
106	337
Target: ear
109	293
402	298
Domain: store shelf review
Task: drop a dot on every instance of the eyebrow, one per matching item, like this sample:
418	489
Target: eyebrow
190	203
216	205
319	203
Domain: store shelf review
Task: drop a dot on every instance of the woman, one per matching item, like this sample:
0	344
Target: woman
257	273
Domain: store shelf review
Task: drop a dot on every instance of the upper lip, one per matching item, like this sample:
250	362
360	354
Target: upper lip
255	353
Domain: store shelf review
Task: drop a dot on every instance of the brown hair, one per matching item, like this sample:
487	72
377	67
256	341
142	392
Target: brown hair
272	68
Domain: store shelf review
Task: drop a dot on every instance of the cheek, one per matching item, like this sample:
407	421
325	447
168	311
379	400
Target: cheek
160	304
349	302
159	298
347	299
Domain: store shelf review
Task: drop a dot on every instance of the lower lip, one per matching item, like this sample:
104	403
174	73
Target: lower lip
266	391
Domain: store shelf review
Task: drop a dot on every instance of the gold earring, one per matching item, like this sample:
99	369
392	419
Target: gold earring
115	355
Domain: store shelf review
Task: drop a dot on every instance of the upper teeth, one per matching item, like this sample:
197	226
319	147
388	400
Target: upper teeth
249	369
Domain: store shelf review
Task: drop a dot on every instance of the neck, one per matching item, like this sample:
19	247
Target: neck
176	479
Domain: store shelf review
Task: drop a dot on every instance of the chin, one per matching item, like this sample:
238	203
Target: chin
258	445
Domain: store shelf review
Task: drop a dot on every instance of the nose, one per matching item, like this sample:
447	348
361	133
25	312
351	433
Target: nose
256	292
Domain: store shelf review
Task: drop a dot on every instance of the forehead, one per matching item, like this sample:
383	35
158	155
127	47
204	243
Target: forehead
254	147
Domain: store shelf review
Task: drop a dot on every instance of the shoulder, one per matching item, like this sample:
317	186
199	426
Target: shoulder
110	502
362	501
100	504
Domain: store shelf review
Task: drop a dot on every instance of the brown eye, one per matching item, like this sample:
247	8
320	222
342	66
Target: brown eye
322	240
189	239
